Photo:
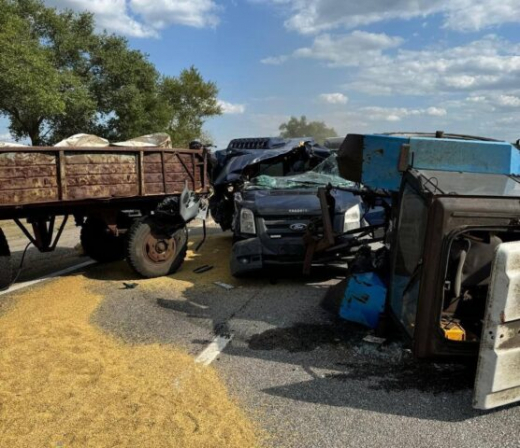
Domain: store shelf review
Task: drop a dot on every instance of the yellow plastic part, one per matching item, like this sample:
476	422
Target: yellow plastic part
453	331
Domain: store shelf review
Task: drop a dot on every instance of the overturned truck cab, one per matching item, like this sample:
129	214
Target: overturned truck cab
456	274
451	267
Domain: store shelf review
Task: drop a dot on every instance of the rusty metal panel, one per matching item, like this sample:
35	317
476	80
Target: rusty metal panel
41	175
18	159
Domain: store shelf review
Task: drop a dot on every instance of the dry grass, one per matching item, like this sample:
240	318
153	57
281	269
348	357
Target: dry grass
65	383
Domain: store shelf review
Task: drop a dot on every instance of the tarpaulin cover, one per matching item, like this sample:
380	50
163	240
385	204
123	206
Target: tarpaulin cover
158	140
83	140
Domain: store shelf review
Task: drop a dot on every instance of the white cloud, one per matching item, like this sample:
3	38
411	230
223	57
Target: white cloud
508	101
393	114
162	13
348	50
230	108
489	64
275	60
334	98
143	18
436	111
313	16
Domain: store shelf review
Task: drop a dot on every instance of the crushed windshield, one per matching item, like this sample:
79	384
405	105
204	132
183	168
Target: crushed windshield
325	173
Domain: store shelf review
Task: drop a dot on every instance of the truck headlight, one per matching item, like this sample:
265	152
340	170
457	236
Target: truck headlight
247	222
352	218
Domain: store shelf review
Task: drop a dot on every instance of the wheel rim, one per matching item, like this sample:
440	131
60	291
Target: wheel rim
160	250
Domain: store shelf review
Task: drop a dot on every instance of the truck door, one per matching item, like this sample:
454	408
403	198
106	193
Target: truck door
498	372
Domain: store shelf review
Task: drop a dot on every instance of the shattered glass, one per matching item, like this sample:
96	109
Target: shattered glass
327	172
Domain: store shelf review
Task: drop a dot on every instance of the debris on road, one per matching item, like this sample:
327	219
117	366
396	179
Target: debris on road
130	285
202	269
374	340
225	285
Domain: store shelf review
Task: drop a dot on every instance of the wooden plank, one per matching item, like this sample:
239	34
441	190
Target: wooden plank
32	182
112	168
102	179
171	188
163	165
62	180
24	172
28	196
168	167
102	191
106	158
26	159
140	172
188	172
170	177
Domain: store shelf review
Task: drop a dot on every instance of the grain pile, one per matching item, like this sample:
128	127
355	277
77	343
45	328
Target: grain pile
63	382
215	252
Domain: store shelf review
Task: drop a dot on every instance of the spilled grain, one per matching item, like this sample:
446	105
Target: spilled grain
63	382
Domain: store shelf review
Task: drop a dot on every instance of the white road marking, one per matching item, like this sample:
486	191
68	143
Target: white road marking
18	286
213	350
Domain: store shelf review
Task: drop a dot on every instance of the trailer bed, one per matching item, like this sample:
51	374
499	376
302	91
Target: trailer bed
51	176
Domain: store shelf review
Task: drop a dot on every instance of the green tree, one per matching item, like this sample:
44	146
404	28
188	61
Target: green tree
33	89
300	127
191	101
58	77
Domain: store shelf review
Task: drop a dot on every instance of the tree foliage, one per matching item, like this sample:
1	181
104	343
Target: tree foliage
58	78
191	100
300	127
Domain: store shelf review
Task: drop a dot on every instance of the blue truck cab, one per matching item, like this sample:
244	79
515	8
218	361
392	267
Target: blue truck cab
451	274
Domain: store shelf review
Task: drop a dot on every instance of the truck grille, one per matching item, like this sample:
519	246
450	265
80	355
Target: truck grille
286	227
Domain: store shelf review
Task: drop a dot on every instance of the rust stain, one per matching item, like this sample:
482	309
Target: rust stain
37	176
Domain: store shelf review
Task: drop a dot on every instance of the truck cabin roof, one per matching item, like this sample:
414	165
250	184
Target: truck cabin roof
268	142
456	183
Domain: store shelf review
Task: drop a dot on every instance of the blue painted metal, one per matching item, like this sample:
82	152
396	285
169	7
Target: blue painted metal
381	155
364	299
467	156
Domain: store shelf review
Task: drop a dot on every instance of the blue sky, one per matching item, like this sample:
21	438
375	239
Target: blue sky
360	66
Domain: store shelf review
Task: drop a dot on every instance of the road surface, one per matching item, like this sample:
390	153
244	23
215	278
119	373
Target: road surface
307	379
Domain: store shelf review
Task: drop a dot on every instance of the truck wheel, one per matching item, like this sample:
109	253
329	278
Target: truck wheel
100	243
6	268
151	253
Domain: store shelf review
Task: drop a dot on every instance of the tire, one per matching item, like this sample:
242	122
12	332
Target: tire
153	254
6	267
99	243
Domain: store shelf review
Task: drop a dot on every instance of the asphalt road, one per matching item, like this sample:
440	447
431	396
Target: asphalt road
37	264
309	380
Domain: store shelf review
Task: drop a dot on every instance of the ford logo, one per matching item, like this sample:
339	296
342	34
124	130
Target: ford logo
300	227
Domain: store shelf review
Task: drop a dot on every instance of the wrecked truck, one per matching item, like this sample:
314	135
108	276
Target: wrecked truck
246	158
448	274
273	214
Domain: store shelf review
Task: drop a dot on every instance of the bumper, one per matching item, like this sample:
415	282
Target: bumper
246	257
252	255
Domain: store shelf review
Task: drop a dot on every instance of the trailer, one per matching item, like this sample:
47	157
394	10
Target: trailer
130	202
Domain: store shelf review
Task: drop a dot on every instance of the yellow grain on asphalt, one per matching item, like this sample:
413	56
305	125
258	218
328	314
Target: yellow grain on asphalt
63	382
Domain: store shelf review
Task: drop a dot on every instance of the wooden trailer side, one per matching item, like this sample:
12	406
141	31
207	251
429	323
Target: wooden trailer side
48	175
